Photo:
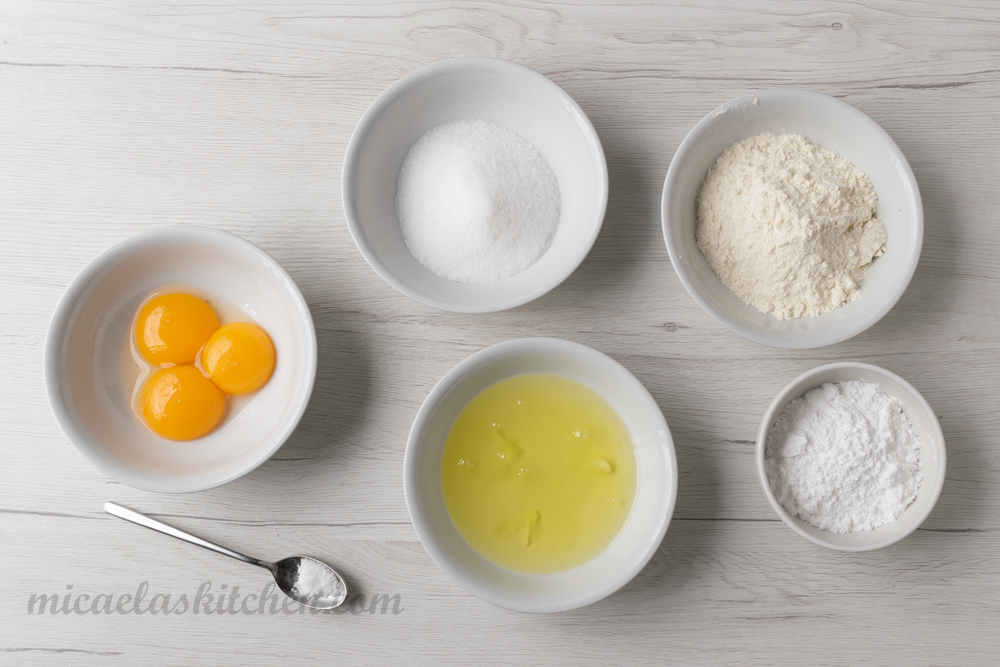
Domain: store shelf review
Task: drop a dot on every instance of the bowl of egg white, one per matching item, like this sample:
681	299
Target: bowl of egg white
540	475
792	218
474	185
180	359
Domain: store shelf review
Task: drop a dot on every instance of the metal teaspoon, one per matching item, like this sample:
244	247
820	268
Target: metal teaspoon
285	571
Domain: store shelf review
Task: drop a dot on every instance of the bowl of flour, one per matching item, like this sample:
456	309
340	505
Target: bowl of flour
851	457
792	218
474	185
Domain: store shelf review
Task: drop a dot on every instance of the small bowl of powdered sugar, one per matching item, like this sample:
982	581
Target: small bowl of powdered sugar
474	185
851	457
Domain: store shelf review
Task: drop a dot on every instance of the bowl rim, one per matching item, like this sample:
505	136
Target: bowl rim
411	479
790	393
677	165
374	113
63	312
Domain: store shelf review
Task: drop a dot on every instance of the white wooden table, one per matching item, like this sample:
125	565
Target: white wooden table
116	117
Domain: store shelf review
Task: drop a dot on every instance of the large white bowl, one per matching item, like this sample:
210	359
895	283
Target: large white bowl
84	358
461	88
932	455
656	466
828	123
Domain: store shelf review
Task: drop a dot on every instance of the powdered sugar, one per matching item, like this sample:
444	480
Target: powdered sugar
476	202
844	457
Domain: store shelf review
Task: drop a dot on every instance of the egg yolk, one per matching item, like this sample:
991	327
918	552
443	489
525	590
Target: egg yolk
180	403
172	328
239	358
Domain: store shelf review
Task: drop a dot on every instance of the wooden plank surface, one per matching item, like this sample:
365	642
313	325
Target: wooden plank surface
119	117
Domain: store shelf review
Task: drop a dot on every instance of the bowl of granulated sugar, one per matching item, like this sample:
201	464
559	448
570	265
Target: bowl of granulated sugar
474	185
851	457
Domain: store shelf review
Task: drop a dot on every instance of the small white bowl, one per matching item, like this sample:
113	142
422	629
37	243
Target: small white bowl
494	90
656	466
86	358
932	455
828	123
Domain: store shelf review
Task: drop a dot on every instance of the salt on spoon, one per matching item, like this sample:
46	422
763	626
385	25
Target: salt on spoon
303	579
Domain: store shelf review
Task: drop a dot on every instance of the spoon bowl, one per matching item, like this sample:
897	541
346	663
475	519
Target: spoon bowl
295	574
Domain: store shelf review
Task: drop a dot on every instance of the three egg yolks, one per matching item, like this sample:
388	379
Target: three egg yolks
180	401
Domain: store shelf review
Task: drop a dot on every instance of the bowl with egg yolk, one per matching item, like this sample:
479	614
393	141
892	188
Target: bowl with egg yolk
108	384
540	475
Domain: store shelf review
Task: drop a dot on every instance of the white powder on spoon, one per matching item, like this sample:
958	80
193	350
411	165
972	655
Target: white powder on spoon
844	457
476	202
316	582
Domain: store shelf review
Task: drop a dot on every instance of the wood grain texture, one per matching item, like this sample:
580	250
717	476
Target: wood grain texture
118	117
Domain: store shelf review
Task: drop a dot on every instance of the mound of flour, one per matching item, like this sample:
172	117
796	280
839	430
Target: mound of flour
844	457
789	227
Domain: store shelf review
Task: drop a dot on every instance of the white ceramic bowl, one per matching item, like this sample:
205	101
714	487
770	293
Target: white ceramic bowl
461	88
643	531
86	360
828	123
932	455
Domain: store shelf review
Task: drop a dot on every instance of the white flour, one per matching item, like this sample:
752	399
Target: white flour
789	227
844	457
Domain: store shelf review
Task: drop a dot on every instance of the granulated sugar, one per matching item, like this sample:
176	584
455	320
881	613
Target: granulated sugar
476	202
844	457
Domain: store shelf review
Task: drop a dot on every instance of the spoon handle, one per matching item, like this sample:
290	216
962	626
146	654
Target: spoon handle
143	520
